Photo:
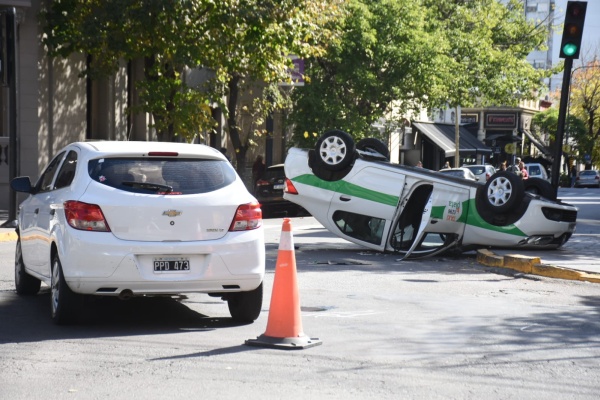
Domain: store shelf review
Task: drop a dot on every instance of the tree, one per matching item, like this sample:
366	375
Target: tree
385	53
546	122
585	103
238	40
419	54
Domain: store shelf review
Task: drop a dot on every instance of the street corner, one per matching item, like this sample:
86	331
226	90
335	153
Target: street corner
8	236
533	266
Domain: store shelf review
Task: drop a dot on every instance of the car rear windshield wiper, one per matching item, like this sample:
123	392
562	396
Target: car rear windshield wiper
150	186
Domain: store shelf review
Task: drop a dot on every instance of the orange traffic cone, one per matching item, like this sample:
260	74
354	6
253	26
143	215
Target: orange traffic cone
284	327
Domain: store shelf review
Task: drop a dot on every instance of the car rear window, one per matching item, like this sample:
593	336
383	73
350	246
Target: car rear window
587	173
274	173
534	170
162	175
477	170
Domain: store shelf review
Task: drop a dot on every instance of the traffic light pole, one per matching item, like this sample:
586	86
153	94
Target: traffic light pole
562	116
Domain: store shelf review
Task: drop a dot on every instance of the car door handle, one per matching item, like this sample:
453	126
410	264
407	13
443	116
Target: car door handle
345	198
52	211
37	211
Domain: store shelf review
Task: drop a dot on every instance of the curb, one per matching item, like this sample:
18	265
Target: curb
8	236
533	266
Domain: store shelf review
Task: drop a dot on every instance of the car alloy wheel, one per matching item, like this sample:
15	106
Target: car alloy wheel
503	191
335	150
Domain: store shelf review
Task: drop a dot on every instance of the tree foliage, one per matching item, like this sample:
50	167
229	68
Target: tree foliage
546	122
238	40
585	104
398	55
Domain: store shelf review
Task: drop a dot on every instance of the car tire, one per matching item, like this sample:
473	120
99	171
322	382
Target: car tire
245	306
540	187
373	145
66	304
24	283
503	192
335	150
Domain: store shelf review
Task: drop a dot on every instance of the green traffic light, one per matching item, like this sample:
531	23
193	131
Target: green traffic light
569	49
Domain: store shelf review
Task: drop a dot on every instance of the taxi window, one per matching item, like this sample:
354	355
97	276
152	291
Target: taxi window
361	227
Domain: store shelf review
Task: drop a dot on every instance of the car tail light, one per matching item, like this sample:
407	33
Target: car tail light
85	217
289	187
262	182
247	217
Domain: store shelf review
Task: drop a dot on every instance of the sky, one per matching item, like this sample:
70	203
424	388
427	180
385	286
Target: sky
590	42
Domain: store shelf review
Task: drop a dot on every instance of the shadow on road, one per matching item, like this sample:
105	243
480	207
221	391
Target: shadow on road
27	318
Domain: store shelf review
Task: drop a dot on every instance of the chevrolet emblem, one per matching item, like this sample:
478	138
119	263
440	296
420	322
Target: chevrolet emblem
172	213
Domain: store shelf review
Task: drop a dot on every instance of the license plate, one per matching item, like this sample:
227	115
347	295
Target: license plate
278	186
171	264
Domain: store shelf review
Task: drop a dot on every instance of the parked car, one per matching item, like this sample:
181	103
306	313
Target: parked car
537	171
416	212
589	178
463	173
481	171
130	219
269	193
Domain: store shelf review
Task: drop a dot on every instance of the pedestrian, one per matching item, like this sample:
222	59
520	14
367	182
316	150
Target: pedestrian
503	166
447	165
573	175
258	169
523	170
515	168
419	164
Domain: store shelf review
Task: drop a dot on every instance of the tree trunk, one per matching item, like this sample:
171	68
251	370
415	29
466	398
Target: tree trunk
239	149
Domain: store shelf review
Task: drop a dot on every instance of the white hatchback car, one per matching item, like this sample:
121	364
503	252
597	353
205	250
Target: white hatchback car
139	218
362	197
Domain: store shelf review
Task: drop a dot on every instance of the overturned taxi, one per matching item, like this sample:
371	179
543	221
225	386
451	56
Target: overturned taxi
356	193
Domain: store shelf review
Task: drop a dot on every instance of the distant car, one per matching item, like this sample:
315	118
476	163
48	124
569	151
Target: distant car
481	171
130	219
463	173
535	170
589	178
269	193
415	212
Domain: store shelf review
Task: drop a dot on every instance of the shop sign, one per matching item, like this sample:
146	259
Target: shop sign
469	118
501	120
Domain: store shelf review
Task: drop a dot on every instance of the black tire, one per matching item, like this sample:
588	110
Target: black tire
374	145
335	150
65	304
503	192
24	283
245	306
540	187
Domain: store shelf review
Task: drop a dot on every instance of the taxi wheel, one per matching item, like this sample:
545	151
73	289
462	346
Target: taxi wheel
245	306
335	150
541	187
503	192
374	145
24	283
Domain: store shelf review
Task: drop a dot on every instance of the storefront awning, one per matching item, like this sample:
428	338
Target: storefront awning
443	137
537	143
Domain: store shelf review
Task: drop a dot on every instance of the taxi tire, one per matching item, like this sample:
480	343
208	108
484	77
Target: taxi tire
374	145
540	187
25	284
325	142
322	172
505	181
245	306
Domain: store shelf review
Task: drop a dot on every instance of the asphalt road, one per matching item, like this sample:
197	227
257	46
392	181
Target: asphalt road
444	328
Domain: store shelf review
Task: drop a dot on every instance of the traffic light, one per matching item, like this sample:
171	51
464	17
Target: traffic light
573	29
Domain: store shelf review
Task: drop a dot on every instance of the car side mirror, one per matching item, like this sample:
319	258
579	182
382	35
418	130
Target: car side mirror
21	184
